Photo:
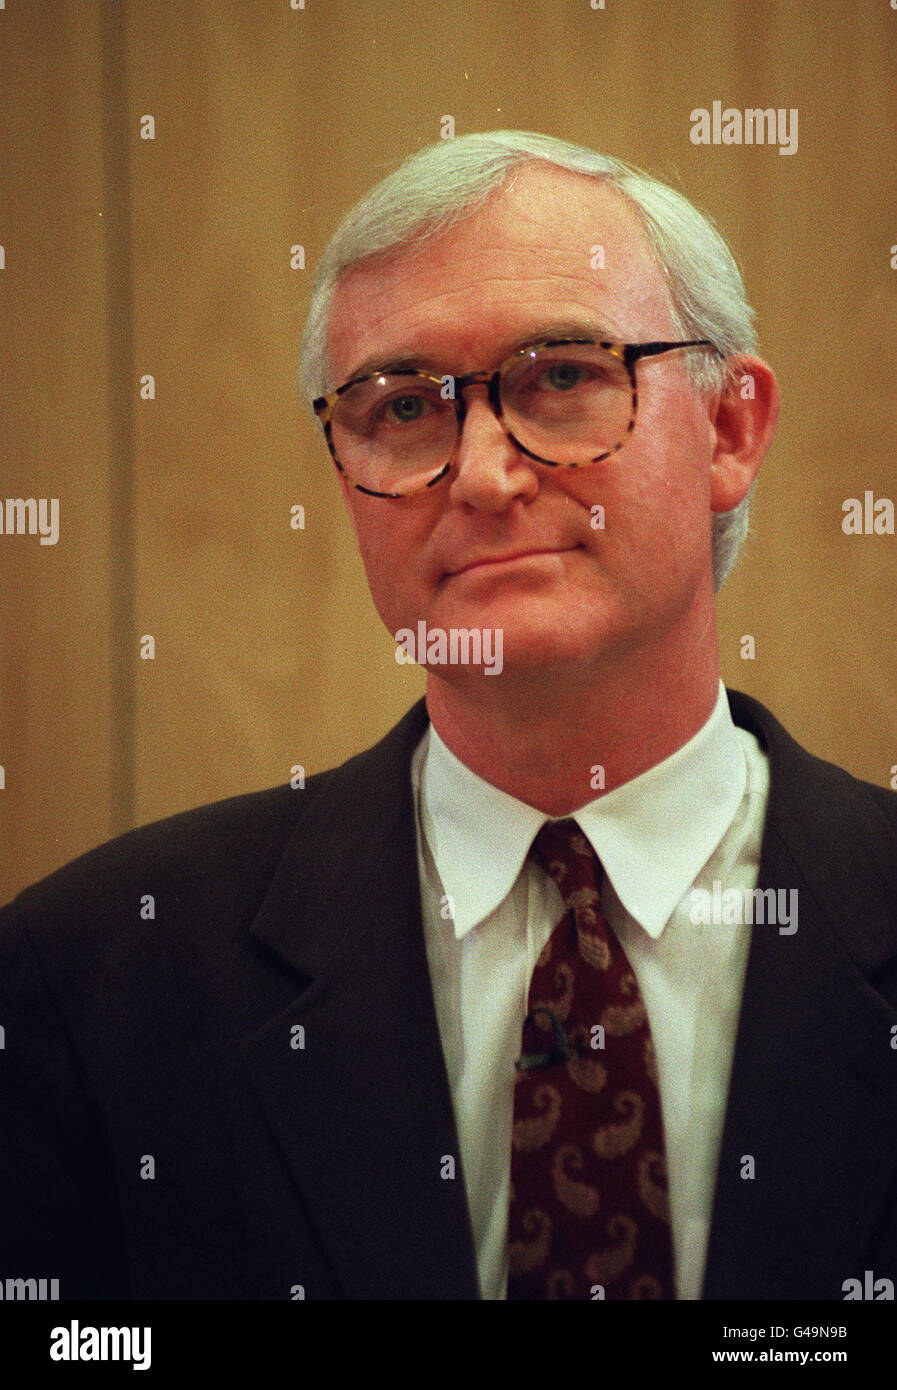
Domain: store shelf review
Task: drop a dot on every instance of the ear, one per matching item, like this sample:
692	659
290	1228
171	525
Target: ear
744	423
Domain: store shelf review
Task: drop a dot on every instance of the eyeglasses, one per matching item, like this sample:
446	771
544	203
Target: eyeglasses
565	402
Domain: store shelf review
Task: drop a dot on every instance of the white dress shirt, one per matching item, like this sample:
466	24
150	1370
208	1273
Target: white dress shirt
488	910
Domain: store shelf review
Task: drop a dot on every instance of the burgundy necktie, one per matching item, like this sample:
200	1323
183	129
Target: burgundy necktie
589	1214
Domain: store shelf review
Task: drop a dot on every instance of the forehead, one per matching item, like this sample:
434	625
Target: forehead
550	247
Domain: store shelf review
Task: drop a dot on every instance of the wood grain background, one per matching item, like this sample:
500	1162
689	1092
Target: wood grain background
171	257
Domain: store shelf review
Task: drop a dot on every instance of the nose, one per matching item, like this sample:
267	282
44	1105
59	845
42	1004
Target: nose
490	471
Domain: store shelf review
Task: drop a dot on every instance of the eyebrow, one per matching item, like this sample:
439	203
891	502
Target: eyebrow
420	362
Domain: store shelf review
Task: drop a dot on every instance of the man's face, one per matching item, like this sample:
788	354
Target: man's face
504	542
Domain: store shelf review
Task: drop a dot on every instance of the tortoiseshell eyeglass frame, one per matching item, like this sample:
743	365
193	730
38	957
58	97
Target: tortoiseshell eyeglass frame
629	354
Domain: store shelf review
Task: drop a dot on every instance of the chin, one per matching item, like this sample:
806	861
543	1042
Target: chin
542	651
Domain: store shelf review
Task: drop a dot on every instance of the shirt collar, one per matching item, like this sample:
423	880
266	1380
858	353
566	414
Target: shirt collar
653	834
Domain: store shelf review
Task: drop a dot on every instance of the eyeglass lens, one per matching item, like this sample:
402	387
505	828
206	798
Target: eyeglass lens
566	405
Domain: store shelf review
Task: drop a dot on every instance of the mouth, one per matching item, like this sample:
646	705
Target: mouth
509	558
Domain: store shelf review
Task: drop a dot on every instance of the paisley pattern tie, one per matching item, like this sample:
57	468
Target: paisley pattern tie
589	1214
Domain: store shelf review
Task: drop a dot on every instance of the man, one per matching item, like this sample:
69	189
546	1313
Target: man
581	983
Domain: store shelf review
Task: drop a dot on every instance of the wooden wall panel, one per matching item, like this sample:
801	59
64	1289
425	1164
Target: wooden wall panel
58	689
818	228
269	123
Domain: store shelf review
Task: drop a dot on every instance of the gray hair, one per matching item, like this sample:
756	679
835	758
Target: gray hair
453	178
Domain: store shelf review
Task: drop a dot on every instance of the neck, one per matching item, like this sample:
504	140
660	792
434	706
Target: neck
556	742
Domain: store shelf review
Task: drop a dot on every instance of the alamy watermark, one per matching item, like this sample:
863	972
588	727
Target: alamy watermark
77	1343
753	126
719	906
30	516
460	646
28	1290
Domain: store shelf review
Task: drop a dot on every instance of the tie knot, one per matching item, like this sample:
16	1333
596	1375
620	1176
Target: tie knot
567	857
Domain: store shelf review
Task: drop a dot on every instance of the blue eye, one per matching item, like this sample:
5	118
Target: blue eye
406	409
564	376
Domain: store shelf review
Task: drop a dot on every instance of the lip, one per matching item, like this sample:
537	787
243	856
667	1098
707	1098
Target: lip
485	561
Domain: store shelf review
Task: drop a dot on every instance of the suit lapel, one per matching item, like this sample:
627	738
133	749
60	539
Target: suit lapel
363	1109
813	1093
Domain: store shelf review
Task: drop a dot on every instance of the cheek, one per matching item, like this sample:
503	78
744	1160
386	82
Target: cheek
648	510
680	434
377	547
669	467
388	544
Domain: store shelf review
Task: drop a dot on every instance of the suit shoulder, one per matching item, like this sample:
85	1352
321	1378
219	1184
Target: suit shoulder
234	843
810	772
208	870
884	798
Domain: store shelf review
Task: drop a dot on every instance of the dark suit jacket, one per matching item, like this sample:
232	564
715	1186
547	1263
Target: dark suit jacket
170	1047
